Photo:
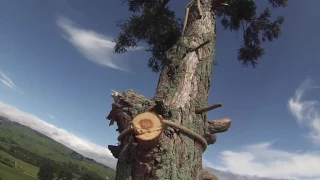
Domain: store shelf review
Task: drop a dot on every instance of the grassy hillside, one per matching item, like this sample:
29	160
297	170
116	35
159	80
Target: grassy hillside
18	164
28	148
9	173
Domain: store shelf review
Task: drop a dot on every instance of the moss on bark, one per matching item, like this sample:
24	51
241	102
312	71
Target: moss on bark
183	87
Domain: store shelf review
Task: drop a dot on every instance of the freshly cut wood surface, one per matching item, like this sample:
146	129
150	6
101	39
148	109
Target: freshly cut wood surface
147	126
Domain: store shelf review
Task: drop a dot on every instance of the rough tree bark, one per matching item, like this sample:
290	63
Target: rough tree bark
182	89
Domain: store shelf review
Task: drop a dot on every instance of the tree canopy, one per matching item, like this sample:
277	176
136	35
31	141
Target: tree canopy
46	171
155	24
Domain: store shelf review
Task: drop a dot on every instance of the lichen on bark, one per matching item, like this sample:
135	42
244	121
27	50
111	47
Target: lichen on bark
183	87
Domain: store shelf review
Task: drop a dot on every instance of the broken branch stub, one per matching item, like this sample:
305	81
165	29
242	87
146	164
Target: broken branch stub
209	108
147	128
219	126
216	126
210	138
115	95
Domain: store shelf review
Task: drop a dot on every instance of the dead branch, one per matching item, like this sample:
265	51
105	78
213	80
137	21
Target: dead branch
219	126
200	46
126	106
216	126
209	108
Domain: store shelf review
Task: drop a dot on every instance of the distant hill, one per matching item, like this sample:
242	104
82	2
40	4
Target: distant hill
26	149
223	175
31	148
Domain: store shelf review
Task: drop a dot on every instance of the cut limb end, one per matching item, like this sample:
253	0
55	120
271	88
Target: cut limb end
147	128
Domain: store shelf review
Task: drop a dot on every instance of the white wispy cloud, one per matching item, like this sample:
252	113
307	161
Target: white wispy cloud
265	161
8	82
94	46
306	111
84	147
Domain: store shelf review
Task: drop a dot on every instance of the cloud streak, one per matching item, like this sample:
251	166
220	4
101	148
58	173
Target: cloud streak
265	161
306	112
8	82
86	148
95	47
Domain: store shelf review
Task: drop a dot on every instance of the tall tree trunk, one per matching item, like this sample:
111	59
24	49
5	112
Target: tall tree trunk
183	87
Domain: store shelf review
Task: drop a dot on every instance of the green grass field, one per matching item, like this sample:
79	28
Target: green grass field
23	166
9	173
14	134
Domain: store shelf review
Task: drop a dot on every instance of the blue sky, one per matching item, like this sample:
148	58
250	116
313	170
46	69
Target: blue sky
56	64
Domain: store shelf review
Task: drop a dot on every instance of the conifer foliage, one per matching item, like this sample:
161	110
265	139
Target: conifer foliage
155	24
185	60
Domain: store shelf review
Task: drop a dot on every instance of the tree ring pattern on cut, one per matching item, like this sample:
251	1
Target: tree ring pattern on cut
147	128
